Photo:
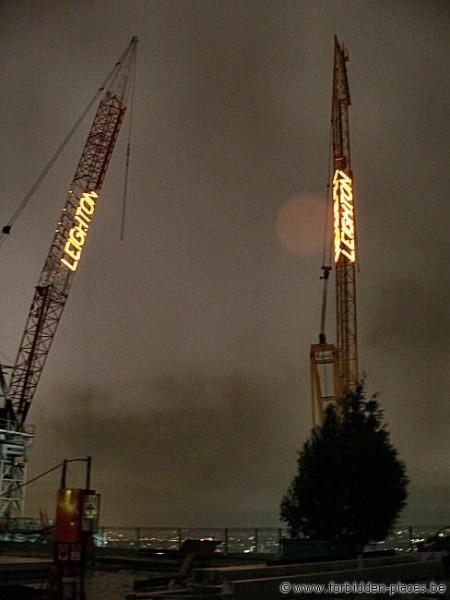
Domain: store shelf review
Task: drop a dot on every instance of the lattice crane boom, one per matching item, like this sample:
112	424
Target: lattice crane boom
344	227
341	359
70	236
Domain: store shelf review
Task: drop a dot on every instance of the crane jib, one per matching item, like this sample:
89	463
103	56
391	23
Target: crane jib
54	283
78	233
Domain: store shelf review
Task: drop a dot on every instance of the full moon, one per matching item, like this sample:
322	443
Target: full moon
301	224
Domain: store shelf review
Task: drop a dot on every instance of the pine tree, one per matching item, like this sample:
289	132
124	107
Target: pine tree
350	485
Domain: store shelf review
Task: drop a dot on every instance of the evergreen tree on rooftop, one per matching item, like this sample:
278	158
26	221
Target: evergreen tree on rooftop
351	485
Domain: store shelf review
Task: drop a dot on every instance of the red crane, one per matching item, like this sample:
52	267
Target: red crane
55	280
68	242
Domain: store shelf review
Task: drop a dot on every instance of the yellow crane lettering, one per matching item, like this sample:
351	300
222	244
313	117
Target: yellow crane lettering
78	233
344	225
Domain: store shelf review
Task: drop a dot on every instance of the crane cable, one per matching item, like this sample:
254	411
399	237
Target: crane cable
19	486
6	229
326	240
128	153
326	264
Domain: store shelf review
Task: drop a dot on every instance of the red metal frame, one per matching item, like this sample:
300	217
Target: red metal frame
56	278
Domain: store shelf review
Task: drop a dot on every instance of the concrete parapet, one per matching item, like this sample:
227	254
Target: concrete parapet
263	581
267	585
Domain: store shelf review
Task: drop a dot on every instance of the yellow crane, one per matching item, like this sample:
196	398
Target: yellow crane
334	367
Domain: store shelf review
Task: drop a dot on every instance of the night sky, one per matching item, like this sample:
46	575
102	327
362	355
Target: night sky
181	363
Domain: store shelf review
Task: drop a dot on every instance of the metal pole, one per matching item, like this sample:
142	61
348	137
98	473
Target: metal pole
63	474
226	541
88	472
85	536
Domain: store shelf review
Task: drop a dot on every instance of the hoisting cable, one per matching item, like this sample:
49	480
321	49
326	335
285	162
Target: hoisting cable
128	153
326	240
6	229
19	486
22	485
326	265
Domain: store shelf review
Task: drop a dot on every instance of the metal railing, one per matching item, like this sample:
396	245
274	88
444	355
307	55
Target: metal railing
242	540
264	540
234	540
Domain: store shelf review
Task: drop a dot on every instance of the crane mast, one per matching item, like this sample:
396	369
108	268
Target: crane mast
54	283
341	359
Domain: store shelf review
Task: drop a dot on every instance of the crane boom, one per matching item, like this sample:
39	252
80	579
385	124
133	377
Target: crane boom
344	227
70	236
342	357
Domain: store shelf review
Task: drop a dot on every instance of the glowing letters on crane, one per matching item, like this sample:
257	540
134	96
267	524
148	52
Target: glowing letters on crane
78	234
344	224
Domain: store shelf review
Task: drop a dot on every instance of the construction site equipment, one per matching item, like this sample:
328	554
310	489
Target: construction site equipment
55	281
334	367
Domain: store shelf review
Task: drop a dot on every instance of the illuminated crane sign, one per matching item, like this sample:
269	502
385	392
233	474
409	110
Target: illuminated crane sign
78	234
51	293
344	223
